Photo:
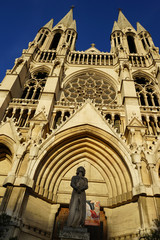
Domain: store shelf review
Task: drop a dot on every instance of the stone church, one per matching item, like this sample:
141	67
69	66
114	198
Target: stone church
61	109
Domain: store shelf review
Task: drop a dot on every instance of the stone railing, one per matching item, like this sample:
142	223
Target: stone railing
24	101
101	59
140	60
150	109
45	56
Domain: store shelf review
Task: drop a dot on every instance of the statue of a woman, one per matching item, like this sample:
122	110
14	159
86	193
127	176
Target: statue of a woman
77	207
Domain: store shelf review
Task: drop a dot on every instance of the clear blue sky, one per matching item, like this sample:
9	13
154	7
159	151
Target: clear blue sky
20	21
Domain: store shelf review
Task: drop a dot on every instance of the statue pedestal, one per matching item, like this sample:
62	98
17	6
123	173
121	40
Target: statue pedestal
70	233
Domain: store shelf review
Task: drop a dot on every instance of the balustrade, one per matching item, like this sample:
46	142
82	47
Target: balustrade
101	59
140	61
45	56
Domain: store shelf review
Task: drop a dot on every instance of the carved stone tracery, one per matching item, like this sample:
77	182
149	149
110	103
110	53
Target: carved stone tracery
89	85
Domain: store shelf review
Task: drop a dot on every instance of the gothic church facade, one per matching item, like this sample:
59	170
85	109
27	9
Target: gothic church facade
61	109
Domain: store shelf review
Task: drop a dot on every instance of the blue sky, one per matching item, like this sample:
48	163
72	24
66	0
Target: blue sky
20	21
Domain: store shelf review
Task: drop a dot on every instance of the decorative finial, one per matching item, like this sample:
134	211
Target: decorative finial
93	45
72	7
119	9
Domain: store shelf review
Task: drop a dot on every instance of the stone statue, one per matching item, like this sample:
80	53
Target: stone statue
77	207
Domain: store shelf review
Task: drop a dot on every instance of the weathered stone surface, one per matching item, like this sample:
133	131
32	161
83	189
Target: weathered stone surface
74	233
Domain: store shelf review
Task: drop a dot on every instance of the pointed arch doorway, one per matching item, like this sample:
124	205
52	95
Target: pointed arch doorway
105	159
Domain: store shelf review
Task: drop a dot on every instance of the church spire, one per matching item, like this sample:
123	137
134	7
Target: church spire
73	25
115	27
140	28
122	21
49	24
67	19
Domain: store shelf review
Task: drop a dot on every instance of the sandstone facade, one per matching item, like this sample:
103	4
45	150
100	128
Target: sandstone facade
60	109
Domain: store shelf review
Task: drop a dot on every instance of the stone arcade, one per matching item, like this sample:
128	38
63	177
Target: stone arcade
61	109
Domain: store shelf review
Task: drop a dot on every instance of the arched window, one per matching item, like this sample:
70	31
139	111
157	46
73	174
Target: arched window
108	117
57	119
55	41
34	86
147	92
131	44
66	115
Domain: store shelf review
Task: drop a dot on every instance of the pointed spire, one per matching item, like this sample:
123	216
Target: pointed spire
67	19
115	27
140	28
122	21
49	24
73	25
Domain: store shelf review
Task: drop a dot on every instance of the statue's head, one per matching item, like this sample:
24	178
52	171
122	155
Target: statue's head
82	170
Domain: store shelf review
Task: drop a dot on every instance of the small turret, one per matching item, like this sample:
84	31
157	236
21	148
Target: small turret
145	37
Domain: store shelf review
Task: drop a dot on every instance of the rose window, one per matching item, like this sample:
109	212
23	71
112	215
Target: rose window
89	86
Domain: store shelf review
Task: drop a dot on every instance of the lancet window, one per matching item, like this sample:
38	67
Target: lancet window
145	41
34	86
42	37
89	85
20	116
147	92
131	44
115	120
152	124
55	41
60	117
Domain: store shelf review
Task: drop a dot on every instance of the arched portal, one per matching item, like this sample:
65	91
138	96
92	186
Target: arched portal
109	177
108	169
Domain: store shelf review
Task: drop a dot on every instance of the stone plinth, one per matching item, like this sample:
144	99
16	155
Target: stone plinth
69	233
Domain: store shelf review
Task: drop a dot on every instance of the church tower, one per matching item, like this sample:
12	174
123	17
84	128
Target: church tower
61	109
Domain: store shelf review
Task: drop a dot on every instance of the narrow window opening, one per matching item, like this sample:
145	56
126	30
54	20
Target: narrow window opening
43	40
115	42
30	93
68	37
142	99
17	114
108	117
37	94
119	40
152	124
147	42
155	100
55	41
40	37
57	120
149	100
23	118
66	115
144	121
144	45
117	123
131	44
24	93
